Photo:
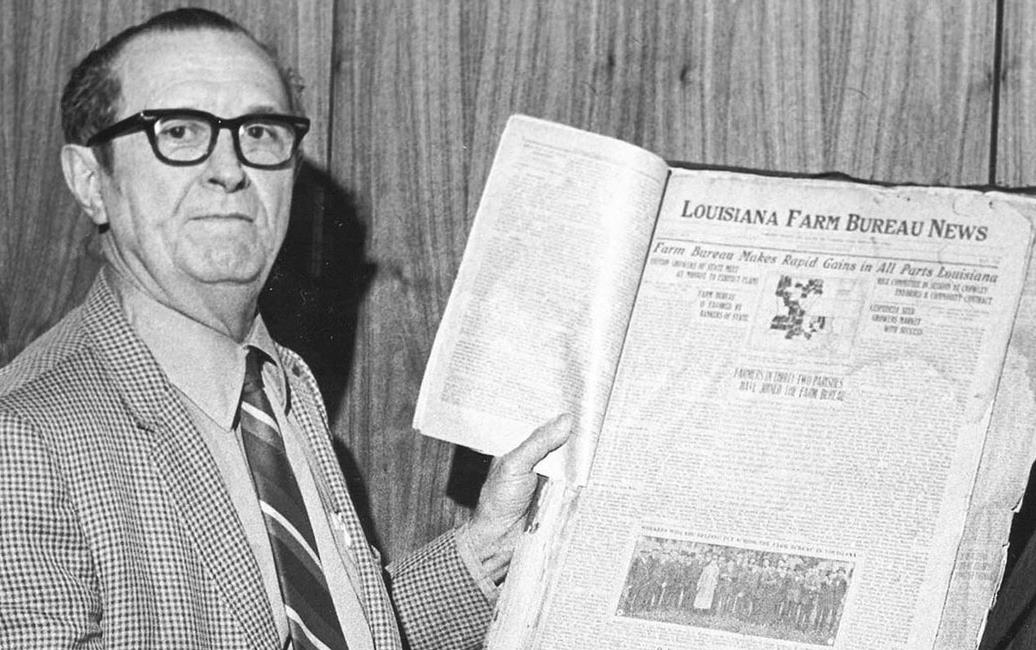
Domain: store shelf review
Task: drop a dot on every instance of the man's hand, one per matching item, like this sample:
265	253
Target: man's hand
507	494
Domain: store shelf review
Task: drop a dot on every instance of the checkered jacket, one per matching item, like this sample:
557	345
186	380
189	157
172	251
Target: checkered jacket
116	530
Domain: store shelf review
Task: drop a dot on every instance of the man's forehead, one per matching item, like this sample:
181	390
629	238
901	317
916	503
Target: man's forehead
191	64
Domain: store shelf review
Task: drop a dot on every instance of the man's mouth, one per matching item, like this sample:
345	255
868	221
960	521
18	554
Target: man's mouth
223	216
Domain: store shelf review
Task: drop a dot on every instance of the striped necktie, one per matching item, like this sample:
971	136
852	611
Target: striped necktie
312	620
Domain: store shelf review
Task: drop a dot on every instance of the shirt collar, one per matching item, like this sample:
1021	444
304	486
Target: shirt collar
207	366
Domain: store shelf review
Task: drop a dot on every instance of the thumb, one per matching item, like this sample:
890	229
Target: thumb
541	442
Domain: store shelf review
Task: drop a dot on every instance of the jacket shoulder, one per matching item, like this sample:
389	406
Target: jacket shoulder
55	346
51	370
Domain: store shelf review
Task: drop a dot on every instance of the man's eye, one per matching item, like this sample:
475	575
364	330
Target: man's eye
181	131
259	132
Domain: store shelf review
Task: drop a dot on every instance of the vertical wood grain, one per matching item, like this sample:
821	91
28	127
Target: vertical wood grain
891	91
400	147
45	263
1016	144
47	251
887	91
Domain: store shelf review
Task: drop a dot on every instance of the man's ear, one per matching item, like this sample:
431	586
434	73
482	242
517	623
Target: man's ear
83	177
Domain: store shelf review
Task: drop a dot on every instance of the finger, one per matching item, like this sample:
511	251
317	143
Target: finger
541	442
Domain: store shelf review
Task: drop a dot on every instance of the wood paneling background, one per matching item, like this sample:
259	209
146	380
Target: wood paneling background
408	98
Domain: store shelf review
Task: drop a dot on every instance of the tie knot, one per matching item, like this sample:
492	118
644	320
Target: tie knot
253	371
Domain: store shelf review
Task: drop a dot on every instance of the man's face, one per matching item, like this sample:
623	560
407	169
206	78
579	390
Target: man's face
177	229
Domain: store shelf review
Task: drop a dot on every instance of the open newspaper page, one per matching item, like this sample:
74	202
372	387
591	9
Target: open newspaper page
536	317
797	421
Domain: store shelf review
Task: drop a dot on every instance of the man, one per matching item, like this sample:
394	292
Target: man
707	583
166	475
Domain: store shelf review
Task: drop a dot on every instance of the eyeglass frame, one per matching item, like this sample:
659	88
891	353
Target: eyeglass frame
147	119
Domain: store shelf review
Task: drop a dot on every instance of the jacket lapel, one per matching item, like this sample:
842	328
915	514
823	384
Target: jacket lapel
185	464
311	416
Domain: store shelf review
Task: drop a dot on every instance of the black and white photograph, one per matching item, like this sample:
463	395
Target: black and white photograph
517	324
791	597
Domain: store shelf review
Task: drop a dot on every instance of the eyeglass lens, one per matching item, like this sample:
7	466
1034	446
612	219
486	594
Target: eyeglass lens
187	139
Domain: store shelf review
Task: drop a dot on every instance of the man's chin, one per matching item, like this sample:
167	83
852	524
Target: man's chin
232	277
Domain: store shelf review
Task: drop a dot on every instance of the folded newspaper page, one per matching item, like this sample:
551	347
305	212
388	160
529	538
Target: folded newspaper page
536	318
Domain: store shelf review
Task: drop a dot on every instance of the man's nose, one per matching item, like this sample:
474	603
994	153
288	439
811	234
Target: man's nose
223	168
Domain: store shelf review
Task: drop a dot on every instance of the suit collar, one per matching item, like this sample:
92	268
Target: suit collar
205	364
131	366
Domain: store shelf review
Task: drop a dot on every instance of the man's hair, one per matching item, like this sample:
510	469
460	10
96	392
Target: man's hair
90	100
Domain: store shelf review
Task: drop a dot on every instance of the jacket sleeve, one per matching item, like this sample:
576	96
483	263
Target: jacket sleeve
438	601
48	595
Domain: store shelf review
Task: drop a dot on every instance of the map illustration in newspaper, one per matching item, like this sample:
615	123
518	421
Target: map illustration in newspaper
808	315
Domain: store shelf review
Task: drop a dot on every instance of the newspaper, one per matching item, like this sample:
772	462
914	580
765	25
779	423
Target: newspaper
786	430
817	446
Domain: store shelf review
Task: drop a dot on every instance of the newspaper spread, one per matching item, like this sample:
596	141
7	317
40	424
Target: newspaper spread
789	442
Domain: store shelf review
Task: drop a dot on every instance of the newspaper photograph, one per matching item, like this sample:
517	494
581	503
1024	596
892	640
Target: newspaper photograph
793	597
